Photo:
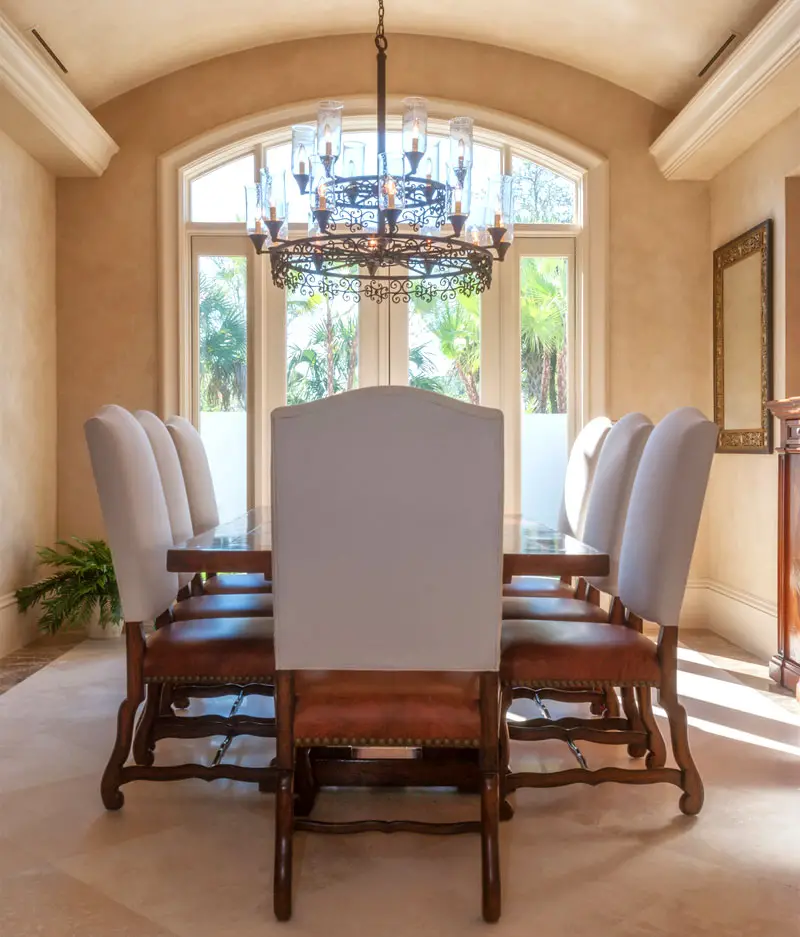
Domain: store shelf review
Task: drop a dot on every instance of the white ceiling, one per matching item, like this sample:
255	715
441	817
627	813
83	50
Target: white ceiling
653	47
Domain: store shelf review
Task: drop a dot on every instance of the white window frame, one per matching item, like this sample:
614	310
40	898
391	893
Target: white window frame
588	347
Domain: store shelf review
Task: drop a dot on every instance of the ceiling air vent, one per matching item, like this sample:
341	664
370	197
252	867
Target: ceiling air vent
43	43
720	55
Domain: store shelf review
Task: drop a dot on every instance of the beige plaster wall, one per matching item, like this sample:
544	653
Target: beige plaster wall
107	293
27	377
742	517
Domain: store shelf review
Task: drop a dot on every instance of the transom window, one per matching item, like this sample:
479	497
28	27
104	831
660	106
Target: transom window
514	347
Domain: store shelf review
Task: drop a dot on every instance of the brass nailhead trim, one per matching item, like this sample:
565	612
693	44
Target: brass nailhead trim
268	678
576	684
386	743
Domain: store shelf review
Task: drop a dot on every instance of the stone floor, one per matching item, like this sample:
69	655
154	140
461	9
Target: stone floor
195	860
17	666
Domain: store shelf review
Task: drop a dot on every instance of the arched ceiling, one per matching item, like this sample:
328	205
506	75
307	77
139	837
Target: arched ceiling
652	47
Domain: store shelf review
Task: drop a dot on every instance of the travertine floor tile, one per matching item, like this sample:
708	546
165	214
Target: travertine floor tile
194	859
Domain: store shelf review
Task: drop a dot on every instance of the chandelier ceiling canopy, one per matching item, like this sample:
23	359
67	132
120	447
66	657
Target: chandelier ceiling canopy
396	235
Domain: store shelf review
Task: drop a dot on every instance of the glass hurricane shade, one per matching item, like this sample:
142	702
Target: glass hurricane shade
329	131
461	144
499	209
304	140
353	160
415	131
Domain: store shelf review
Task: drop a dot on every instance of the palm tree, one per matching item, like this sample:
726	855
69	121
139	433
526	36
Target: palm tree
223	338
543	310
455	323
328	364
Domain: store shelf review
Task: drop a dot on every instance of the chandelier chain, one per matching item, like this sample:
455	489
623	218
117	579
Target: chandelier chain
380	34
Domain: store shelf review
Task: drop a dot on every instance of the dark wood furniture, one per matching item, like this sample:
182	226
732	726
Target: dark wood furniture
244	545
541	655
530	549
194	655
784	667
438	709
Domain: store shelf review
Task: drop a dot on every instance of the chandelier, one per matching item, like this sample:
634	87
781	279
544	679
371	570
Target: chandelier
383	236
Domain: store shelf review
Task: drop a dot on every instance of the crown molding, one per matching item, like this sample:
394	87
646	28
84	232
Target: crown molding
43	116
756	89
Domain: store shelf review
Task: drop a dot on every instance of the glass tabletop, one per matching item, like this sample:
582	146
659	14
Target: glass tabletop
245	545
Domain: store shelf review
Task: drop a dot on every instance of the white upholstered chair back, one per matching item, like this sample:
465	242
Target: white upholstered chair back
664	514
134	511
169	468
387	516
611	492
581	467
196	474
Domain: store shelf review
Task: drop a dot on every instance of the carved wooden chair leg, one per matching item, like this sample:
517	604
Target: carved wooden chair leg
306	787
492	718
611	701
691	802
635	749
608	706
284	797
165	704
126	718
506	698
143	743
657	750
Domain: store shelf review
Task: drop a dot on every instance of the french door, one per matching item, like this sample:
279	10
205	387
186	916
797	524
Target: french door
256	348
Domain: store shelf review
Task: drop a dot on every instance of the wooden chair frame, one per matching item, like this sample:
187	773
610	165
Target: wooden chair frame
638	729
603	701
158	722
296	790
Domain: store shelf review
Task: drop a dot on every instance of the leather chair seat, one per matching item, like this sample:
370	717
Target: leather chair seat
546	654
236	584
552	609
218	650
234	605
384	708
524	586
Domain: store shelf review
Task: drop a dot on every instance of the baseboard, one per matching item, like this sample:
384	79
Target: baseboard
15	630
742	617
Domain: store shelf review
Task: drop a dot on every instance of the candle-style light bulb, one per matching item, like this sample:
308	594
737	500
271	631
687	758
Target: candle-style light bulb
415	136
461	152
326	136
322	193
429	170
458	196
498	213
273	211
391	191
301	160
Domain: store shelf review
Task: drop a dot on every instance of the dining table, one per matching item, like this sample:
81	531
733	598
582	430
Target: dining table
530	548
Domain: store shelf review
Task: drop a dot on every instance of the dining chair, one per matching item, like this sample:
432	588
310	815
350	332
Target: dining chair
603	530
209	604
233	651
607	511
657	545
581	466
203	505
397	644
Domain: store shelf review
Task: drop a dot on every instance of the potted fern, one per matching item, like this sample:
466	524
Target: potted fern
82	592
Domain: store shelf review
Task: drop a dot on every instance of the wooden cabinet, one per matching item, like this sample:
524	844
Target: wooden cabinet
785	665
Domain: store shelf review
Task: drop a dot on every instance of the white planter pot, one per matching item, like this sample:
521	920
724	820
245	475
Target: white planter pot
96	632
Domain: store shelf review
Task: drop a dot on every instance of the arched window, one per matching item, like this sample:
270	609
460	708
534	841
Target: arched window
244	347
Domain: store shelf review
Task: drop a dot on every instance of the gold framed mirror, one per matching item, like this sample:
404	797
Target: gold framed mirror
743	341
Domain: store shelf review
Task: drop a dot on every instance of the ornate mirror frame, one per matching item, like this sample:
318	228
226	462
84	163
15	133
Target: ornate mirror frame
757	240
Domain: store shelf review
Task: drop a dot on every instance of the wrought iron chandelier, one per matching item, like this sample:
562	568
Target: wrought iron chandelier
381	236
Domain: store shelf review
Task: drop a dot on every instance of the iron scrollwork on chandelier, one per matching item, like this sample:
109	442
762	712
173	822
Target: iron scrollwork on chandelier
382	236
